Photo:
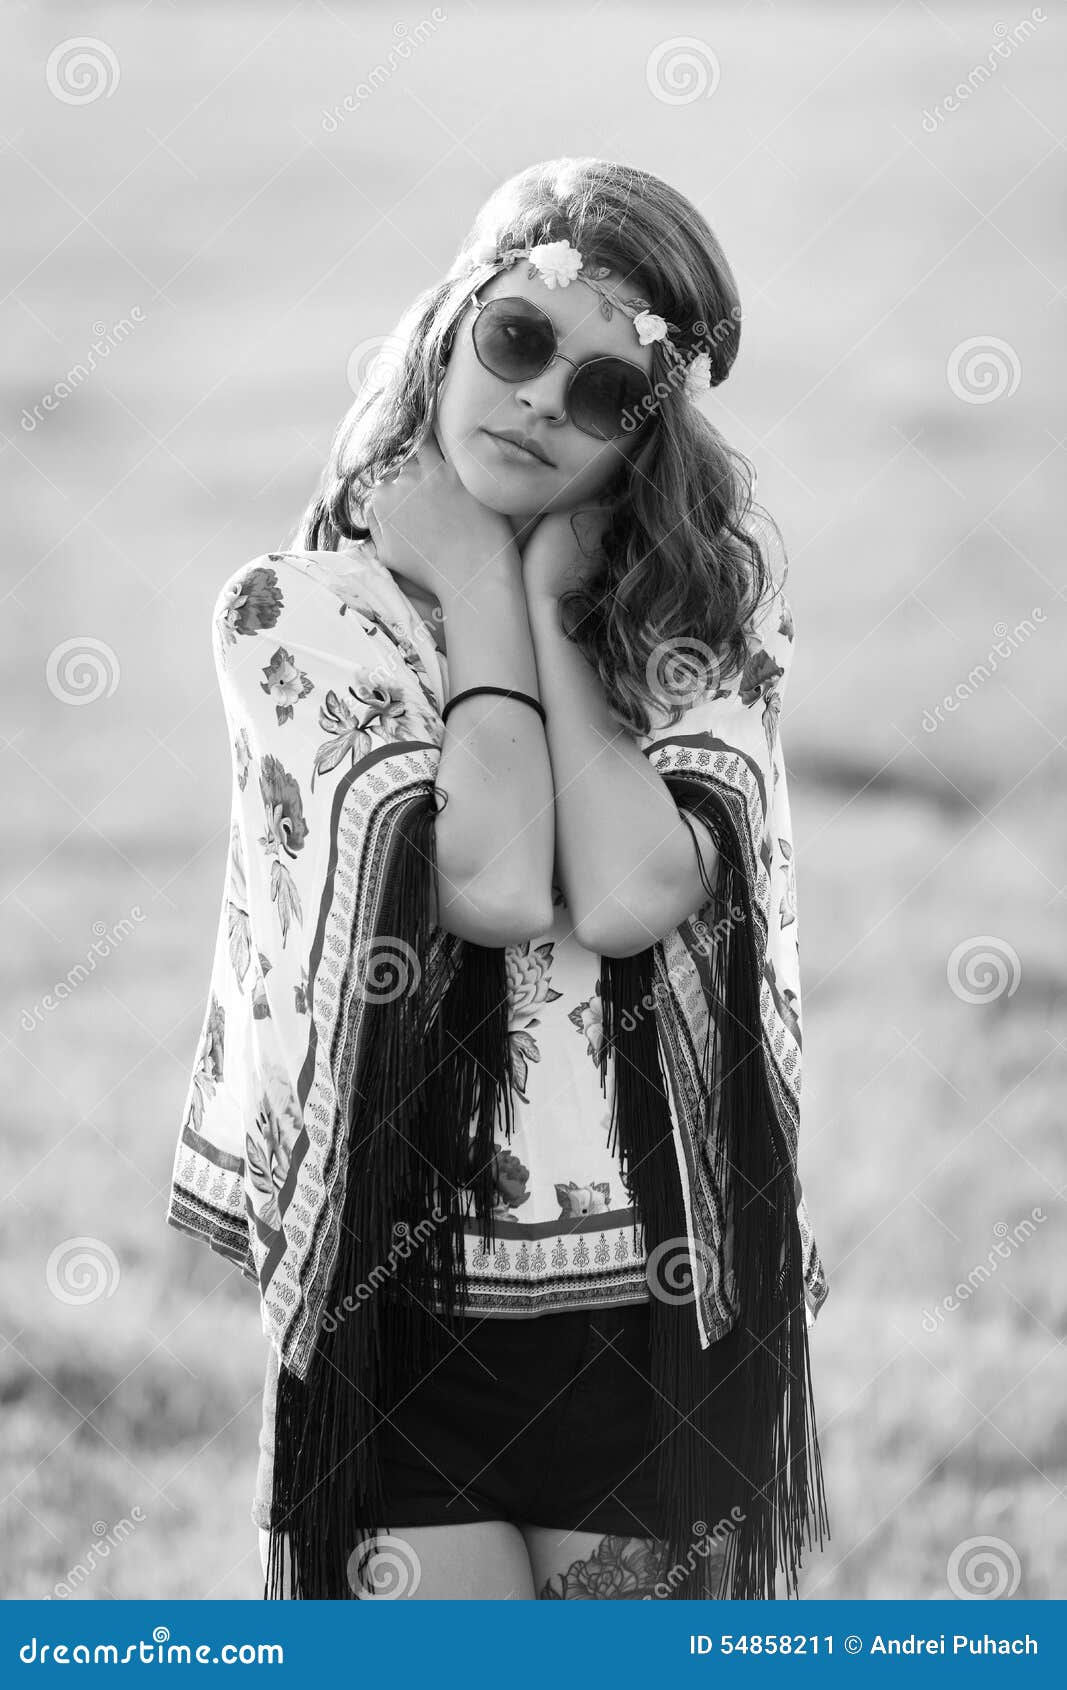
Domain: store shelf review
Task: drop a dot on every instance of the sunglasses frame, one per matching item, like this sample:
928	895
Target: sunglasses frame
649	409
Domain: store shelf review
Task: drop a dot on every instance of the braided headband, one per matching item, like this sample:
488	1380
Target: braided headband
558	263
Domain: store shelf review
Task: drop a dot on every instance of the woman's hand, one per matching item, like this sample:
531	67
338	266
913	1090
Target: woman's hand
556	558
425	524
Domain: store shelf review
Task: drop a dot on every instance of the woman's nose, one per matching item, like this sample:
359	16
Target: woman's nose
546	393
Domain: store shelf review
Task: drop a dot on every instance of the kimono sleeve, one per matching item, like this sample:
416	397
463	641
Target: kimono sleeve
207	1191
316	682
726	744
724	759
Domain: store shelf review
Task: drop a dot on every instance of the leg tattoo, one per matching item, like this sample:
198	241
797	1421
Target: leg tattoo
622	1569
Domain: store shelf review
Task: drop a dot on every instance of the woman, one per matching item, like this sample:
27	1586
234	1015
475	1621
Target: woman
504	730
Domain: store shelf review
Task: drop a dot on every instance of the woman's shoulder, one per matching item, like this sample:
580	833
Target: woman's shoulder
290	624
255	595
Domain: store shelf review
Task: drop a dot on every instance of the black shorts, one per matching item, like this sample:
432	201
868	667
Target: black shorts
541	1421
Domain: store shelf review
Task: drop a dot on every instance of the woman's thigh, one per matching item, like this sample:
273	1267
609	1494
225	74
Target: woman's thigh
572	1566
592	1566
483	1561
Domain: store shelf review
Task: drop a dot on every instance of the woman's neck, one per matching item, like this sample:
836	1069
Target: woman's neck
426	606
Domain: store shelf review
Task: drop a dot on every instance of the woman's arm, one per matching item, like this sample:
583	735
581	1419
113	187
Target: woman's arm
625	858
495	834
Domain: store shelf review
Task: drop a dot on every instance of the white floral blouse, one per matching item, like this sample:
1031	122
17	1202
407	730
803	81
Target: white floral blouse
565	1230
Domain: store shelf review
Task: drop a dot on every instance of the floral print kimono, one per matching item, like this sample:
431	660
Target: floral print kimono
328	988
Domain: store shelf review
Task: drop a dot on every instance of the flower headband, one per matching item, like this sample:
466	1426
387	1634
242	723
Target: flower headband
558	263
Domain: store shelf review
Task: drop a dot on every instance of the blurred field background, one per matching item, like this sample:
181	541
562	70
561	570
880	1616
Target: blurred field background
900	394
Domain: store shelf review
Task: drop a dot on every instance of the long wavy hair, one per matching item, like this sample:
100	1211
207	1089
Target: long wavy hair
683	564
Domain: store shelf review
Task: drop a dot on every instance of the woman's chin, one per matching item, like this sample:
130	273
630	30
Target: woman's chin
484	484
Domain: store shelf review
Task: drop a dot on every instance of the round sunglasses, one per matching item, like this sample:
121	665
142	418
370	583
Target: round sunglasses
515	340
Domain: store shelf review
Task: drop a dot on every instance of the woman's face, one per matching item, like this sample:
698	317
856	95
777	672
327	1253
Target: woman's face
471	400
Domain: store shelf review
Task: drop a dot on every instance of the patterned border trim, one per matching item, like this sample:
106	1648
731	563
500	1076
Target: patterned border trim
190	1213
299	1267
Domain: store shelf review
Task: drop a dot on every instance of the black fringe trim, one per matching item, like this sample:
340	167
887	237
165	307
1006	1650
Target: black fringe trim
732	1423
431	1058
741	1441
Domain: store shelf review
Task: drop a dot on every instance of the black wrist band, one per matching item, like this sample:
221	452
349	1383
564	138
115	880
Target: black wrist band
504	692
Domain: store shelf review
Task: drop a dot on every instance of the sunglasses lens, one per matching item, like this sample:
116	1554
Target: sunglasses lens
512	341
604	393
516	341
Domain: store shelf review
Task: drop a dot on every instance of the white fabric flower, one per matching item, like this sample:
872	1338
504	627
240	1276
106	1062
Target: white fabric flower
558	263
649	327
698	377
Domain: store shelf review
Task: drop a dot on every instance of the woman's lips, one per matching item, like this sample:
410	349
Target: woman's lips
514	454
